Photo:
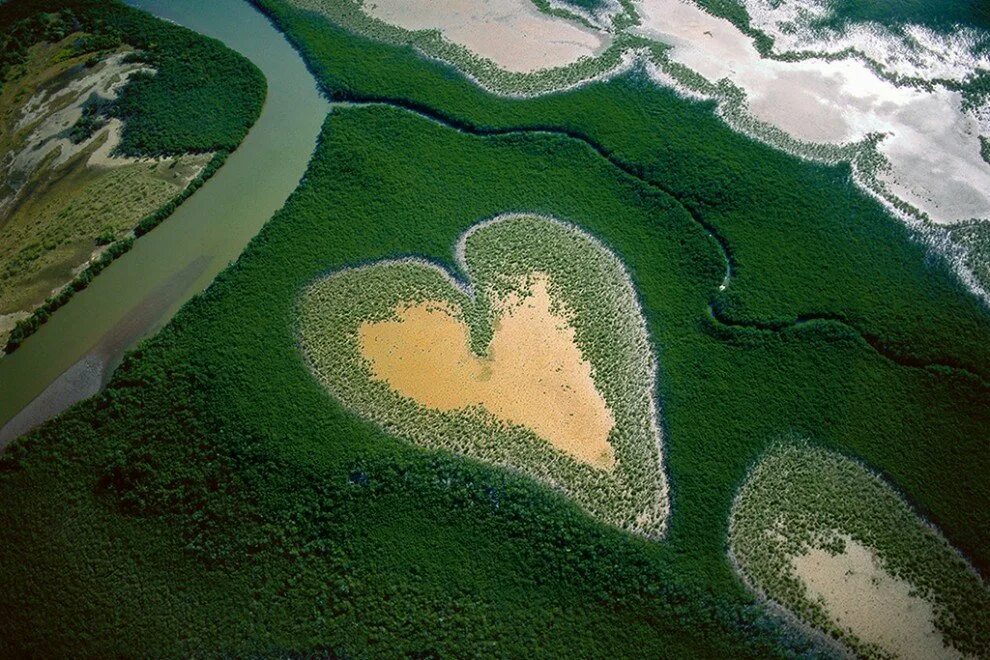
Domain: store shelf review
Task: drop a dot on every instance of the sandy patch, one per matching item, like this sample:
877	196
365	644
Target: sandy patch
92	371
932	144
512	33
534	374
858	595
102	155
49	114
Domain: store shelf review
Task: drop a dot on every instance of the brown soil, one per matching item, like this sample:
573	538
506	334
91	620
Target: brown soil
858	595
534	374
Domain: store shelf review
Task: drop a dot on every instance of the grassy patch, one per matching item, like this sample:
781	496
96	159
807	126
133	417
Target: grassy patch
53	233
799	497
498	258
202	98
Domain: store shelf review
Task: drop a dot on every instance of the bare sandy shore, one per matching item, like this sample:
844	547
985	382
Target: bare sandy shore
534	374
859	596
512	33
50	113
932	144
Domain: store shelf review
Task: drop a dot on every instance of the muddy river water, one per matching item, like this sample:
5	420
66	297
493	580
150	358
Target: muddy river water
73	354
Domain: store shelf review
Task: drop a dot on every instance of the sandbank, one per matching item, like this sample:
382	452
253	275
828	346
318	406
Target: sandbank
513	34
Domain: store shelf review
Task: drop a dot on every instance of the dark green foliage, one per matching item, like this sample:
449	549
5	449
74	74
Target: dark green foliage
23	30
233	507
296	518
106	236
587	5
203	96
938	14
93	118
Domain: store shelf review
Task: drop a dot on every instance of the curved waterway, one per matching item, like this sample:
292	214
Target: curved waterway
72	356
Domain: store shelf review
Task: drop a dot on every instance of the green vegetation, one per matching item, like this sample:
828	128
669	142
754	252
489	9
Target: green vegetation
296	525
203	96
938	14
497	256
106	236
586	5
800	497
201	99
22	32
220	493
94	117
28	326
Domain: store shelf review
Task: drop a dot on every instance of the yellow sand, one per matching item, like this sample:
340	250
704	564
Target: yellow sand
878	608
533	376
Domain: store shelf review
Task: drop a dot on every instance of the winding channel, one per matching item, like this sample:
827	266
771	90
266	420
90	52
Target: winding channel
717	316
73	355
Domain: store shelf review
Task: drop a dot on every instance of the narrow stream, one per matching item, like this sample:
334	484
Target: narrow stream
73	354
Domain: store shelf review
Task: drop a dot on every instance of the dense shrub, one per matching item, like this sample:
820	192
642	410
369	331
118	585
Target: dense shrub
236	508
203	97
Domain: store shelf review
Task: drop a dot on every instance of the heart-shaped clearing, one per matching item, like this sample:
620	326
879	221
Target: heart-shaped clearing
533	376
542	365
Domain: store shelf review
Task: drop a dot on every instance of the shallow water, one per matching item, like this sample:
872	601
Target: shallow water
139	292
931	142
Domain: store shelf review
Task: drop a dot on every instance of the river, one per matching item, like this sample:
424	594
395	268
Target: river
73	355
